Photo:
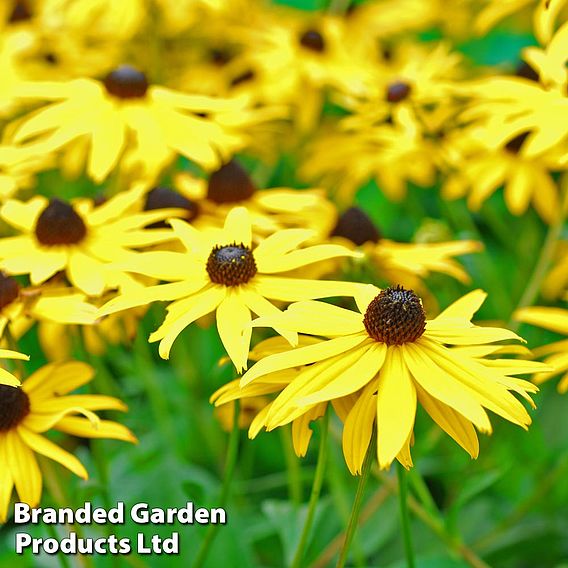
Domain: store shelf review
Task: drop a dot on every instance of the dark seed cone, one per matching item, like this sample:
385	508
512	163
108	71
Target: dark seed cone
9	290
20	13
165	198
395	316
355	225
398	91
60	224
527	72
515	144
14	407
231	265
126	82
312	40
230	184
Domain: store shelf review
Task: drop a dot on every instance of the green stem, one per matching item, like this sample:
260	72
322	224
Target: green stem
404	517
355	511
316	490
293	469
545	258
230	465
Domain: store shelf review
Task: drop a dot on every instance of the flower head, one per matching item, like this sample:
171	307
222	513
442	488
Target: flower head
392	358
220	271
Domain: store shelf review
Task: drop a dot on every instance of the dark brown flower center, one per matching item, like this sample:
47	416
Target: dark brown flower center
355	225
515	144
231	265
312	40
60	224
398	91
230	184
165	198
9	290
395	316
527	72
220	57
126	82
20	13
14	407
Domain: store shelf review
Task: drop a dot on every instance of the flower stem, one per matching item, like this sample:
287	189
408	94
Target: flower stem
230	465
546	256
404	517
293	472
356	509
316	490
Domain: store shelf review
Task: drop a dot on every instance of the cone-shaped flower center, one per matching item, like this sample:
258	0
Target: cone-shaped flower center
14	407
126	82
165	198
398	91
231	265
395	316
230	184
9	290
355	225
20	13
60	224
312	40
514	146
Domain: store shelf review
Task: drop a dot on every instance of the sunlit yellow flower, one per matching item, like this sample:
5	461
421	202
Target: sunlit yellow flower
553	319
256	398
270	209
42	403
80	239
17	171
220	272
133	125
556	282
398	358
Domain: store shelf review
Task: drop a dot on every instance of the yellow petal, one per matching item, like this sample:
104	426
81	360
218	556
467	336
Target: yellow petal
86	273
301	431
296	289
25	471
105	429
233	325
237	228
554	319
43	446
396	407
6	481
56	379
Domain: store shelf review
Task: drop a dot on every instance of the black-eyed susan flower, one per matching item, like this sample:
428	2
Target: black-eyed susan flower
404	263
396	359
556	353
270	209
43	403
132	124
221	272
79	238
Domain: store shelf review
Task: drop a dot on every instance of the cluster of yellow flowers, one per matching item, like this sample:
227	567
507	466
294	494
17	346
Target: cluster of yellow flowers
150	100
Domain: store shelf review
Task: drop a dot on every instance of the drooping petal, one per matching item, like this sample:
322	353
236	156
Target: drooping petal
105	429
233	325
25	470
301	430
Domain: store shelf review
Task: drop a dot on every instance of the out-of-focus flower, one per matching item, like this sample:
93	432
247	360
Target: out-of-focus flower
556	353
80	239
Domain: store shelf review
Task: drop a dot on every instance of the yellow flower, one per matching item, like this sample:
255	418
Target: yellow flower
220	272
553	319
80	239
270	209
482	169
17	171
556	282
255	402
396	358
132	124
404	263
40	404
